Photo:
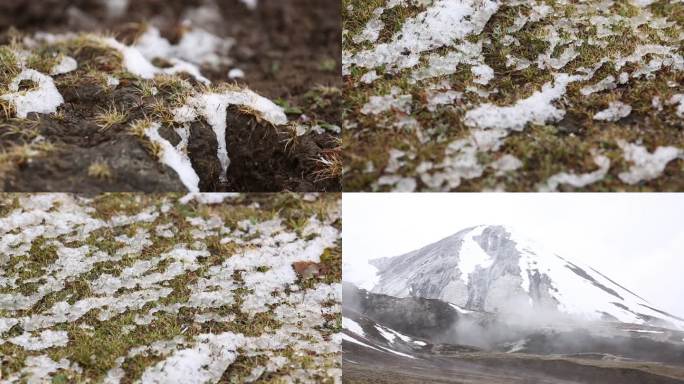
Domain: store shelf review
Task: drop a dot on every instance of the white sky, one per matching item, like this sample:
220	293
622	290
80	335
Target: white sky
636	239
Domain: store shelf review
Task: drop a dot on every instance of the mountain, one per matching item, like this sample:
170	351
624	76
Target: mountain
497	270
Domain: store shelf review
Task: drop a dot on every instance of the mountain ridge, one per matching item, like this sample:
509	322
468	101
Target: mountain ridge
495	268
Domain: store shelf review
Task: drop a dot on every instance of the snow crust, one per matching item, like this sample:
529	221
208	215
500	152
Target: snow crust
45	99
537	108
66	65
439	25
136	63
352	326
473	256
578	180
175	157
644	164
195	46
616	110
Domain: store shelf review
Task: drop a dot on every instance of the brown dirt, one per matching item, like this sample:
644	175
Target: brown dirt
289	51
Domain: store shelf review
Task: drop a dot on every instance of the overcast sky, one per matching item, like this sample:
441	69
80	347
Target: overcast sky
636	239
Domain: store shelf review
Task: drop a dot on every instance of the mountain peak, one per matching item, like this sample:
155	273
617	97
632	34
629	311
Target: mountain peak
496	268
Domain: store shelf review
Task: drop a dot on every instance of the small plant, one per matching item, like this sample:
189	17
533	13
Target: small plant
139	127
330	165
100	170
110	117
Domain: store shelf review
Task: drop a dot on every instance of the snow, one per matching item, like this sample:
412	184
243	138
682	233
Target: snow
116	8
213	107
646	165
352	326
236	73
46	339
387	335
136	63
391	334
616	110
208	198
398	353
644	331
136	284
203	363
175	157
679	100
251	4
472	256
483	74
353	340
577	180
439	25
394	101
534	109
459	309
605	84
66	65
196	46
45	99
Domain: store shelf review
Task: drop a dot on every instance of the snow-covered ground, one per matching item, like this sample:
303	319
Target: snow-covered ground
169	289
514	95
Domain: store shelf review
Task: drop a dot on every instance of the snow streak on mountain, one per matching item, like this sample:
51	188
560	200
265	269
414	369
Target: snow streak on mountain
495	269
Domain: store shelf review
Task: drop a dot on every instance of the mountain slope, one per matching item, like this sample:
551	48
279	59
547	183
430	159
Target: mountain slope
416	340
495	269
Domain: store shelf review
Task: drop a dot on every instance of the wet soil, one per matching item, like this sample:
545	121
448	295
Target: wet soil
289	51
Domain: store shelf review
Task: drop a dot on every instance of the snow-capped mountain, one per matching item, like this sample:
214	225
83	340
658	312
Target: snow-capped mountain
495	269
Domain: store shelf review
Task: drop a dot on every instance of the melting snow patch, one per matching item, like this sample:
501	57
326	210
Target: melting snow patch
645	165
236	73
483	74
353	340
398	353
534	109
459	309
394	101
251	4
352	326
66	65
577	180
136	63
196	46
605	84
213	107
46	339
202	364
45	99
616	110
439	25
175	158
208	198
679	100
